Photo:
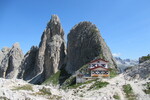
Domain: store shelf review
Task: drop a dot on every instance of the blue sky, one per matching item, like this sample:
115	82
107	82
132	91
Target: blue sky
124	24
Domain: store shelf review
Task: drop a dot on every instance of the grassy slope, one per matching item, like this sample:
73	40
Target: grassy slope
54	79
129	92
147	90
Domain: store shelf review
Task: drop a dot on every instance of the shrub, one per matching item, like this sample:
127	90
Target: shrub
129	92
144	58
116	96
70	81
147	90
44	91
113	72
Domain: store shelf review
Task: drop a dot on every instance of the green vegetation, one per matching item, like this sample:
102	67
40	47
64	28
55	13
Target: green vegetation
24	87
98	85
47	92
144	58
101	56
58	78
4	98
63	74
54	97
44	91
147	90
70	81
80	84
116	96
81	95
113	72
54	79
129	92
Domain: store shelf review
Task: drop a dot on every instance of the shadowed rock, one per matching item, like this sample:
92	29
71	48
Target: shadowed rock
26	70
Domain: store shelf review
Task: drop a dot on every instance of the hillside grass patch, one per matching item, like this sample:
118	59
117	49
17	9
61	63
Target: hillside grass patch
43	91
145	58
47	92
98	85
27	87
80	84
129	92
113	72
54	97
147	90
3	98
116	96
54	79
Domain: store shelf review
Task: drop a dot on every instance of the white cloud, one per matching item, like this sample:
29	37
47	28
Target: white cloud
116	54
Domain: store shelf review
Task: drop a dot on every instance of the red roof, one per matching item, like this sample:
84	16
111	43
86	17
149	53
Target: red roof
97	60
98	67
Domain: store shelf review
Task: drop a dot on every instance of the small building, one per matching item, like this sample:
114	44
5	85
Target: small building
99	68
96	69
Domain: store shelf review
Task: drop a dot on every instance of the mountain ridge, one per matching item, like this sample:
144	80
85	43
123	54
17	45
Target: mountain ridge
125	63
52	55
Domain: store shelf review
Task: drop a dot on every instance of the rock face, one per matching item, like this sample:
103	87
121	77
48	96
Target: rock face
11	62
3	53
141	71
51	53
28	64
85	44
1	56
55	47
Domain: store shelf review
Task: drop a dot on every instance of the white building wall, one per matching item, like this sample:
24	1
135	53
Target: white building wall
80	80
99	63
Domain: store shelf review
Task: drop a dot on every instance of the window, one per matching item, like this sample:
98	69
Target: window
93	65
103	65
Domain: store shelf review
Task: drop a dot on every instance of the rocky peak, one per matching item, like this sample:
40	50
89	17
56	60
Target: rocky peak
124	64
55	47
54	26
11	62
16	45
54	20
5	50
85	44
51	53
